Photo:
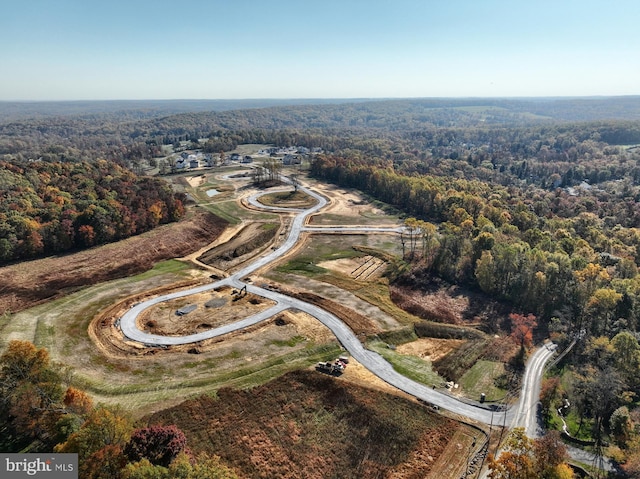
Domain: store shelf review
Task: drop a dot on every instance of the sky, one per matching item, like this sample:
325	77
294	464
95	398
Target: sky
241	49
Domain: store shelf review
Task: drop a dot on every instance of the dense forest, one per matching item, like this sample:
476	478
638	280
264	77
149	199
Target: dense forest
393	127
54	207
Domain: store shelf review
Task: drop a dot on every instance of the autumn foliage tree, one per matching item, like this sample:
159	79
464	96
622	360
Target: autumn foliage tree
77	407
183	467
30	393
105	463
48	208
550	395
525	458
99	442
103	427
522	328
159	444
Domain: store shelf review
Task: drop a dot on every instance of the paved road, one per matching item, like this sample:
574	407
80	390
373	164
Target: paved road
526	411
372	361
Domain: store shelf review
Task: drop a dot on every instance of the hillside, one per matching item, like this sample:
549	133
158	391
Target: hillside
51	208
25	284
309	425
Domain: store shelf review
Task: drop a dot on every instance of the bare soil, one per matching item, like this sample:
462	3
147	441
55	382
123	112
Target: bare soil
227	308
211	310
365	268
162	319
242	246
358	323
430	349
349	203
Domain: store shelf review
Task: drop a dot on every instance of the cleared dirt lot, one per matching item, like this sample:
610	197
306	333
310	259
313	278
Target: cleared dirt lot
365	268
200	312
430	349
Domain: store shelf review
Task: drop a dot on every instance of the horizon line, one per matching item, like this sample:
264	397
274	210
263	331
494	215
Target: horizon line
381	98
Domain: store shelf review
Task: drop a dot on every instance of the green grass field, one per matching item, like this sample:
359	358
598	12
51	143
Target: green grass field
412	367
481	379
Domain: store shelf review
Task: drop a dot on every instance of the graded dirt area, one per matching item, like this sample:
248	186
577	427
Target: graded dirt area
365	268
200	312
430	349
210	310
243	245
350	203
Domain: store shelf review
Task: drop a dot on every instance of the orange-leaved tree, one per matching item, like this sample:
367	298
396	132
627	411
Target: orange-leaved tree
525	458
522	328
30	392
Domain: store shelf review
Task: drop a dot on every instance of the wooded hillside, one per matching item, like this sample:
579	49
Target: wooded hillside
48	208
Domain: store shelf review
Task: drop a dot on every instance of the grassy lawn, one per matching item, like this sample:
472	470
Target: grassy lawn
317	251
574	428
60	324
412	367
249	148
234	213
171	266
225	192
303	266
295	199
5	319
154	379
481	378
139	383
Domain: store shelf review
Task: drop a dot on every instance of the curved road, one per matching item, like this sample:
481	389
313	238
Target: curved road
523	415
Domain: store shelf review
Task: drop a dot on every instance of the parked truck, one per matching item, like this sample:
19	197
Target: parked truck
335	368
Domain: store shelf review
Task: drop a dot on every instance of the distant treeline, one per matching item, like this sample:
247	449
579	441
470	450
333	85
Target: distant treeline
128	131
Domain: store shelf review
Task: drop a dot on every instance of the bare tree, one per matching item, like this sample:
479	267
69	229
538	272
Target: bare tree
295	181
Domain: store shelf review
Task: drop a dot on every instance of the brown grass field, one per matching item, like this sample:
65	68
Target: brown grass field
309	425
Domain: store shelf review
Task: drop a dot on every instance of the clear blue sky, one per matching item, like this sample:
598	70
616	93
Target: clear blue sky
214	49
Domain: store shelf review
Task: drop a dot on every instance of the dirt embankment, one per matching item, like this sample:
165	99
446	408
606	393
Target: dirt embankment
358	323
249	240
28	283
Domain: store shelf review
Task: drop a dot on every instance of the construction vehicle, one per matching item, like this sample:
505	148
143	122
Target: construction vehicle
335	369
